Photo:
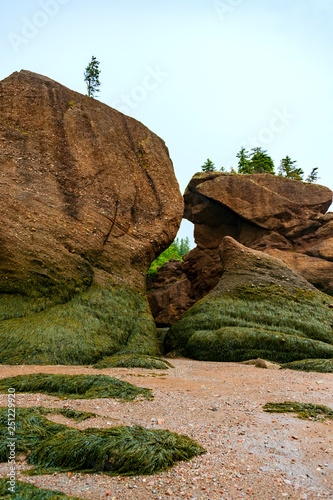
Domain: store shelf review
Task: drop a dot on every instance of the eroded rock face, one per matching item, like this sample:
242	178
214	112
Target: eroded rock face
259	309
169	294
88	199
280	216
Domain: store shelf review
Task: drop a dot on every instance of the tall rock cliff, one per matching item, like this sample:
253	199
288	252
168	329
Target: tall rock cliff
88	199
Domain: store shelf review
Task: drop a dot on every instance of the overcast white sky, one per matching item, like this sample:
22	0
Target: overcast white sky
208	76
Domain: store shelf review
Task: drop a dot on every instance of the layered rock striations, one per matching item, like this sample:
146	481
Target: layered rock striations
259	309
283	217
88	199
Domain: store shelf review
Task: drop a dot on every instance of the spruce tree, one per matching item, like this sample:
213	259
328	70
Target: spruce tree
243	163
288	169
313	176
260	162
91	77
208	166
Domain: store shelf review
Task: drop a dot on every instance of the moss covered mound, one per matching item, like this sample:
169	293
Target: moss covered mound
75	386
311	365
134	361
303	410
263	321
99	322
119	450
26	491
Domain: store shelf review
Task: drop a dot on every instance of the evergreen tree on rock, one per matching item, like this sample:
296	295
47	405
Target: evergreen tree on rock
208	166
243	163
260	162
91	77
288	169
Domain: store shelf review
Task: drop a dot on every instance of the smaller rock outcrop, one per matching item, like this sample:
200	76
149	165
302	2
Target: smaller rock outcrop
283	217
259	309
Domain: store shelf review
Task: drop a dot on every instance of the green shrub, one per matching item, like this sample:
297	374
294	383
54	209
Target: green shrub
303	410
75	386
26	491
133	361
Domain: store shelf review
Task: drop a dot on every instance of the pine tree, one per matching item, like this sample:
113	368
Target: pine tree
313	176
208	166
184	246
288	169
260	162
91	77
243	163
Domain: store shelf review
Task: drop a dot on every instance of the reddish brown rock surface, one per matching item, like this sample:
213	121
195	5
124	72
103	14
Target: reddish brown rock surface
280	216
169	293
88	198
82	186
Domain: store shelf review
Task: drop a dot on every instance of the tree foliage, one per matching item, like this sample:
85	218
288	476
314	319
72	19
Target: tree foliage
258	162
176	251
208	166
243	163
289	169
313	176
91	77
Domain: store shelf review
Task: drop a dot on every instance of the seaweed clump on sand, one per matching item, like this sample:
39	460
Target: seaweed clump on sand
304	410
75	386
117	451
311	365
134	361
26	491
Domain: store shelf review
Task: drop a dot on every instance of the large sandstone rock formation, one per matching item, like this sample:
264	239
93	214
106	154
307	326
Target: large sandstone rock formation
283	217
259	309
88	199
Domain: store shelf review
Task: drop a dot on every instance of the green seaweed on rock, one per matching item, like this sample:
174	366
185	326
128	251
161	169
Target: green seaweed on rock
134	361
311	365
75	386
96	323
265	321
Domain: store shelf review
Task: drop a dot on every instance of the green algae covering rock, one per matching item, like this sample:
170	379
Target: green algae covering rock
311	365
88	199
259	309
134	361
